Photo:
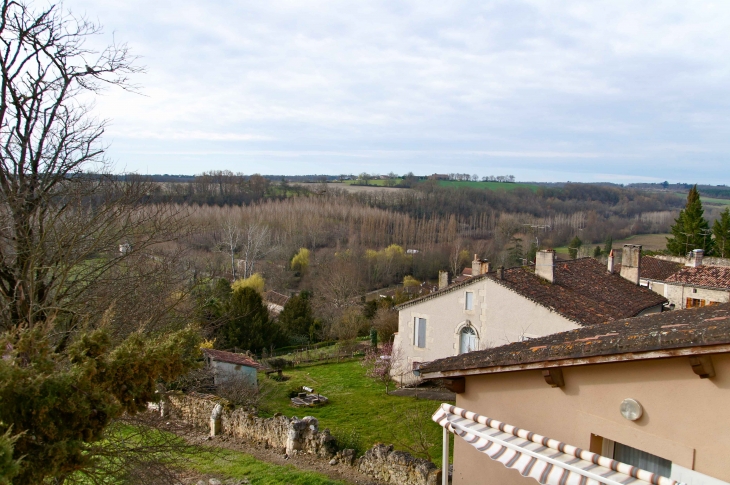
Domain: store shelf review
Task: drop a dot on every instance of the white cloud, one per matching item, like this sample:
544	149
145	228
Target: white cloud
603	80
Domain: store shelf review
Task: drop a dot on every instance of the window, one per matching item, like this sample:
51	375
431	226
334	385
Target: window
632	456
694	303
469	301
419	332
467	340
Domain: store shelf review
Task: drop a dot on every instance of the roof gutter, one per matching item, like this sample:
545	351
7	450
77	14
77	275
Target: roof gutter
572	362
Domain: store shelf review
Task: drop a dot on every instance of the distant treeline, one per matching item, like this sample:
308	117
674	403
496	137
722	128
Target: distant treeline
718	191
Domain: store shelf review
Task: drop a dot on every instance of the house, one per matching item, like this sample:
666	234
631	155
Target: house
228	365
686	282
697	285
651	392
439	176
489	308
275	302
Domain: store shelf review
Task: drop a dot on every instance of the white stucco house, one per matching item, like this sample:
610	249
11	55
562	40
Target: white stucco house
229	365
493	308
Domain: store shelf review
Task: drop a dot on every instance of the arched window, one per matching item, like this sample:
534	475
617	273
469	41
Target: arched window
468	341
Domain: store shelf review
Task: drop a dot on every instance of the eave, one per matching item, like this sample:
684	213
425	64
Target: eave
578	361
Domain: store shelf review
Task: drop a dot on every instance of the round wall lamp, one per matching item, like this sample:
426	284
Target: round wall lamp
631	409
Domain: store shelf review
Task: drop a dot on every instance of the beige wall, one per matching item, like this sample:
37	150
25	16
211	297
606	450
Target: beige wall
678	295
500	316
686	419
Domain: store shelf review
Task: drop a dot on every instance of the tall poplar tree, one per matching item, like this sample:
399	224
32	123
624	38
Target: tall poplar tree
721	231
690	230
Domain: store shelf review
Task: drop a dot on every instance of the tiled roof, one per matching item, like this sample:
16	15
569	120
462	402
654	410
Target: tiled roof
275	298
466	272
658	269
583	291
662	331
232	358
709	276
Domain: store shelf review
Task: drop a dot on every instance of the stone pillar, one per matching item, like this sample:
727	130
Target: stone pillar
545	264
631	263
215	420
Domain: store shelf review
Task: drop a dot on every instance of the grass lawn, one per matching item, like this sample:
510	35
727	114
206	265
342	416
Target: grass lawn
234	464
359	411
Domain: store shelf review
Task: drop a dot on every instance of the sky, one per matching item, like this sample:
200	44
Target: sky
614	91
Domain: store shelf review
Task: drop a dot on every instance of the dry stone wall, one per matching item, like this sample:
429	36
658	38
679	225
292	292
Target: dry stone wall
294	435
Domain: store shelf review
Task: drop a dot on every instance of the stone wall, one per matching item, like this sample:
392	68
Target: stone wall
383	463
293	435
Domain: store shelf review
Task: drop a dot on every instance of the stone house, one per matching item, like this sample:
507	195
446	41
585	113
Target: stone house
650	393
228	365
493	308
687	282
698	285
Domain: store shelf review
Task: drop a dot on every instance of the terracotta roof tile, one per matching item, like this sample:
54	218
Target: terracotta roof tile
658	269
710	276
662	331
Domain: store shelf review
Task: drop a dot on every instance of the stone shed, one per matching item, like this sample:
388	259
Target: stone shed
229	365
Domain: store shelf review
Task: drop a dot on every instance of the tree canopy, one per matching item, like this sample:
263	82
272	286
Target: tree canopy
721	231
690	230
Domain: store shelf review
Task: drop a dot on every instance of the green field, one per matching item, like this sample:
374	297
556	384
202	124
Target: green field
359	411
487	185
707	200
649	242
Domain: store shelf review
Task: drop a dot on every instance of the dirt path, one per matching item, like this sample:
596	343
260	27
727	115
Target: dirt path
306	462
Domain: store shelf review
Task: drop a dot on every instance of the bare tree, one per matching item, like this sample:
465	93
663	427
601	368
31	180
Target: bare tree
70	300
255	245
231	238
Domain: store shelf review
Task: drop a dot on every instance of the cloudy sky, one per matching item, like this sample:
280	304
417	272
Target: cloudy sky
618	91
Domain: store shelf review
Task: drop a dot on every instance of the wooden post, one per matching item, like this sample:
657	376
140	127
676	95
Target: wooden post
445	459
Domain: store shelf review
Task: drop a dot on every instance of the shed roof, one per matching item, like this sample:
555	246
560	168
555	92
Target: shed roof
582	291
679	329
232	358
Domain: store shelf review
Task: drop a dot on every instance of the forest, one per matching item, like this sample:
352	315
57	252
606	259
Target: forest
336	247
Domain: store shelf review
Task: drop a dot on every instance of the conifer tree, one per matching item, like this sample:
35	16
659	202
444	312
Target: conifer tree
721	231
574	245
690	230
296	318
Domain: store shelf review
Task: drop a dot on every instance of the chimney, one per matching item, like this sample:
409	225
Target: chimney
545	264
443	279
479	266
500	273
695	258
631	263
610	262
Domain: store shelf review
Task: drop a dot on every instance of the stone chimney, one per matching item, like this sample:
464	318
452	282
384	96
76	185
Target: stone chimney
631	263
500	273
479	266
695	258
545	264
610	262
443	279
